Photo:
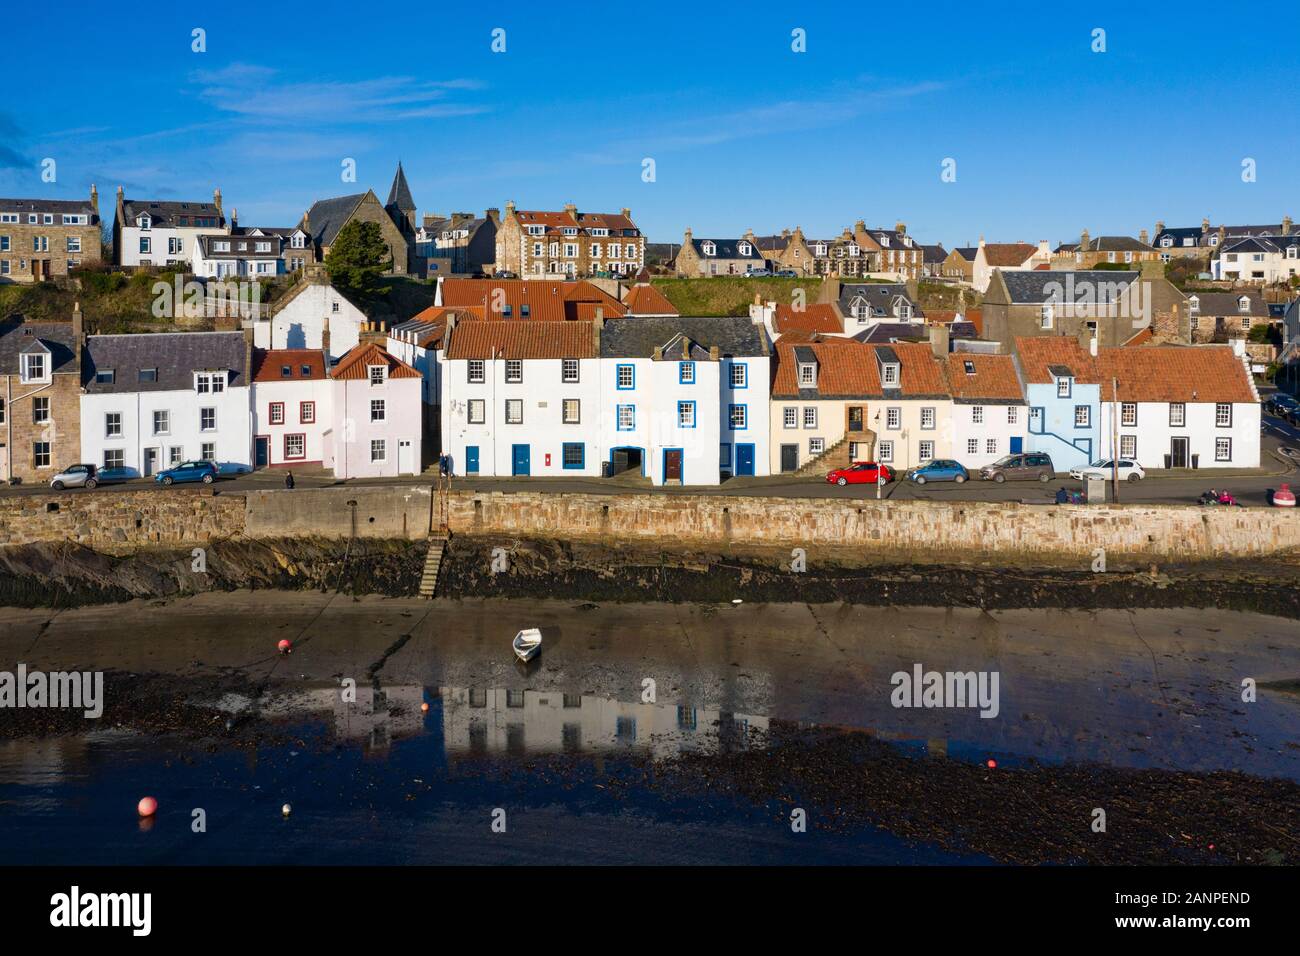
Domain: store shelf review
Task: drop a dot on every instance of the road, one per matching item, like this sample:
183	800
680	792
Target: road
1251	487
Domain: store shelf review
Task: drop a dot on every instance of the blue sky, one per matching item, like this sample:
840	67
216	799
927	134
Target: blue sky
1048	136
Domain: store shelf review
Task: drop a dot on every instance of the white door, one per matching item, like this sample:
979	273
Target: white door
150	461
405	458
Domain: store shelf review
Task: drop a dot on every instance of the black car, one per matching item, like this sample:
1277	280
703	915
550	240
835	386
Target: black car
1281	404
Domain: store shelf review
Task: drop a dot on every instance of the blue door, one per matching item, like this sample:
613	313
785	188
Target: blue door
471	459
1016	442
520	457
744	459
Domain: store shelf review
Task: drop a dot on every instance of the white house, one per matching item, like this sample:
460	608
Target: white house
1262	259
293	408
1180	406
152	401
522	398
223	256
685	400
989	412
1007	256
312	315
149	232
377	433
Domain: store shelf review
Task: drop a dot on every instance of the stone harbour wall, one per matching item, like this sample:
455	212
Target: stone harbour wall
120	521
124	520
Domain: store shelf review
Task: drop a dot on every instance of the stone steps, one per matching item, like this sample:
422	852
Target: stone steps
432	565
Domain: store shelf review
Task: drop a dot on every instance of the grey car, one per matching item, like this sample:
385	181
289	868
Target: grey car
1020	467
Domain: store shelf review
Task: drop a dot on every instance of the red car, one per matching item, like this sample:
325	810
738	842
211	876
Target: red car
860	473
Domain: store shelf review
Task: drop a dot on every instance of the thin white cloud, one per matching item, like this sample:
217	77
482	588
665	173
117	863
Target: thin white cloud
259	93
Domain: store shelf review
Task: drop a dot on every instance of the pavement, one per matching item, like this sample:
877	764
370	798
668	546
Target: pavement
1161	486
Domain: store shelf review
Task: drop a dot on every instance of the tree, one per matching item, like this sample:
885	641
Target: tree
358	259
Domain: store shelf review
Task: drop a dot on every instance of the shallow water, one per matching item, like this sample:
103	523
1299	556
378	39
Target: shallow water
379	781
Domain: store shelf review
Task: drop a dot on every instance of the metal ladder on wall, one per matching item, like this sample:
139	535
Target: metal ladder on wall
439	532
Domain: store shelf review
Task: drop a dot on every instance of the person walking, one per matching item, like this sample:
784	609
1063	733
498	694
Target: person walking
288	481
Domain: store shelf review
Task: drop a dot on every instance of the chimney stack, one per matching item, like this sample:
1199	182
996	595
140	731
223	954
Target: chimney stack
216	200
1205	226
1286	225
325	335
1142	238
627	213
1084	241
248	354
78	332
939	340
234	219
94	199
900	228
571	209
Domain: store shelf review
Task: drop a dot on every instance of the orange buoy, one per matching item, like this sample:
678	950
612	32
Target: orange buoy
284	645
147	806
424	708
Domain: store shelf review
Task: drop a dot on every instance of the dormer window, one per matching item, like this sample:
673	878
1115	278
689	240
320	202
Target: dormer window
1214	240
884	241
221	246
969	366
859	309
209	382
35	367
709	249
1243	304
904	311
1193	305
807	374
745	248
144	222
377	374
889	375
1166	241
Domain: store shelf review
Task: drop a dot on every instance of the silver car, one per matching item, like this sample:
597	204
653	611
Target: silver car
78	476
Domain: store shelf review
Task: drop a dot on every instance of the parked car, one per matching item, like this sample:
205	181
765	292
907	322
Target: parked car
757	273
786	274
860	473
77	476
1280	404
940	469
1102	468
203	471
1020	468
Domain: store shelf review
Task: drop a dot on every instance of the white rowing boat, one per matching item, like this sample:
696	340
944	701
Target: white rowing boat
527	643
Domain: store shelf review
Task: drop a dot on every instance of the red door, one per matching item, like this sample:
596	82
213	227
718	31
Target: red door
673	464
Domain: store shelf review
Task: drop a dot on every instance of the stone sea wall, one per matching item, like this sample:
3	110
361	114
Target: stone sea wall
119	521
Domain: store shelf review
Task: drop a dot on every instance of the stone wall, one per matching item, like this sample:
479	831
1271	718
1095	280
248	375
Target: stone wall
122	520
109	520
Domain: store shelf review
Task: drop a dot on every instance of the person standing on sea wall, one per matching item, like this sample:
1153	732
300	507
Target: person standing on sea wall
288	481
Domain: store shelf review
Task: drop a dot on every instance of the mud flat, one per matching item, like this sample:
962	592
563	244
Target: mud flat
764	707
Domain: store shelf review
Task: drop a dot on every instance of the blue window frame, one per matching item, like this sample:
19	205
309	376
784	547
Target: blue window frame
738	417
739	375
685	414
625	377
686	373
573	454
625	418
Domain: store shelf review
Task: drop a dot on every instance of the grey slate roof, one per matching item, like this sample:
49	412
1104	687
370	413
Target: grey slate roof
727	249
1090	285
241	247
17	337
912	332
639	337
967	252
170	214
934	253
328	216
1107	244
880	296
1225	304
60	206
176	356
399	194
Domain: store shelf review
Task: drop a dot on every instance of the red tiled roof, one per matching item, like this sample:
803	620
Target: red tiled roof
645	299
1153	373
1176	373
1007	253
818	317
353	365
554	221
944	316
849	369
1144	337
1037	353
546	298
991	377
523	340
269	364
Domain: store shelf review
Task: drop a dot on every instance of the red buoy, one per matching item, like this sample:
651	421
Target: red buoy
284	645
147	806
992	764
424	708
